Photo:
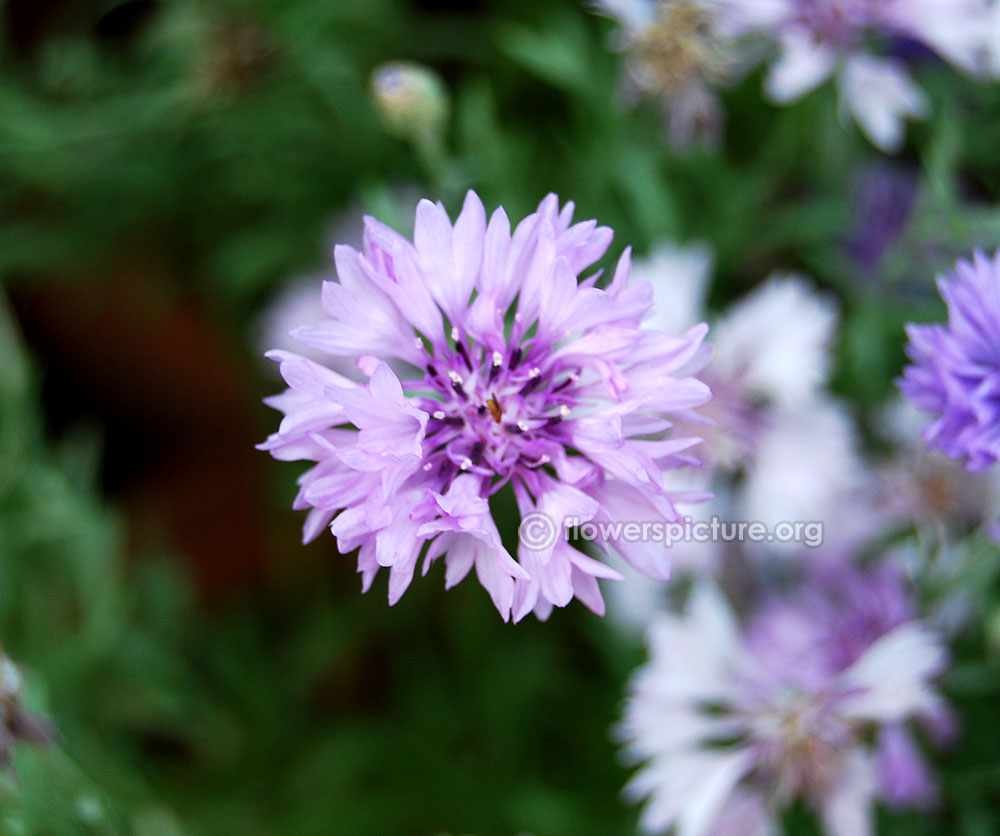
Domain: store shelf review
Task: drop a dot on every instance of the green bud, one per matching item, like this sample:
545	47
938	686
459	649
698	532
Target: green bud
411	99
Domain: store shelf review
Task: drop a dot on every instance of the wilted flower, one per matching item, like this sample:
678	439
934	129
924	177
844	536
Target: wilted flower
955	374
17	724
810	703
822	37
675	54
521	375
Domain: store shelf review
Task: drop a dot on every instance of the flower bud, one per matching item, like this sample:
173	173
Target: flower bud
411	99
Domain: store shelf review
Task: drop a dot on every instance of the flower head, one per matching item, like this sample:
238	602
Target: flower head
520	375
955	374
810	703
675	53
818	38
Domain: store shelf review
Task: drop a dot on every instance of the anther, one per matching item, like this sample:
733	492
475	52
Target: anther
465	354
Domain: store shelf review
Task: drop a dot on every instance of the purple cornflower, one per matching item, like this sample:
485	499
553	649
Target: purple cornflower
812	702
956	370
512	372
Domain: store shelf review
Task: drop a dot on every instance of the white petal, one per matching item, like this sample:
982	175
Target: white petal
777	340
958	30
711	792
846	811
633	14
880	95
804	64
679	276
891	679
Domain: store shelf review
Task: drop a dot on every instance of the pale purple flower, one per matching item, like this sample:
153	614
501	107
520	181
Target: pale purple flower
520	375
820	38
812	702
955	374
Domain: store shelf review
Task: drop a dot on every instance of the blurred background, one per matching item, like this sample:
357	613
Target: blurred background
173	176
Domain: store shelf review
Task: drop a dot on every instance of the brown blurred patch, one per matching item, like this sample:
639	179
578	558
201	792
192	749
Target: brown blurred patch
175	405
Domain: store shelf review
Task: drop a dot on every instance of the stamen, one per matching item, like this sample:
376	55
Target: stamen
564	411
530	386
465	354
456	384
497	359
466	464
573	378
454	334
438	414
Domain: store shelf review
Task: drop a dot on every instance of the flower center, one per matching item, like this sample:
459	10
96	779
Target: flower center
801	742
676	46
492	410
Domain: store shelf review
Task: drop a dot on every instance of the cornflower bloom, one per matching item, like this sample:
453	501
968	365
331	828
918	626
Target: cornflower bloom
955	374
818	38
520	375
811	702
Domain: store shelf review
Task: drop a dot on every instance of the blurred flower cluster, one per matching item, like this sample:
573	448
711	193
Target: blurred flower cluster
802	674
678	49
